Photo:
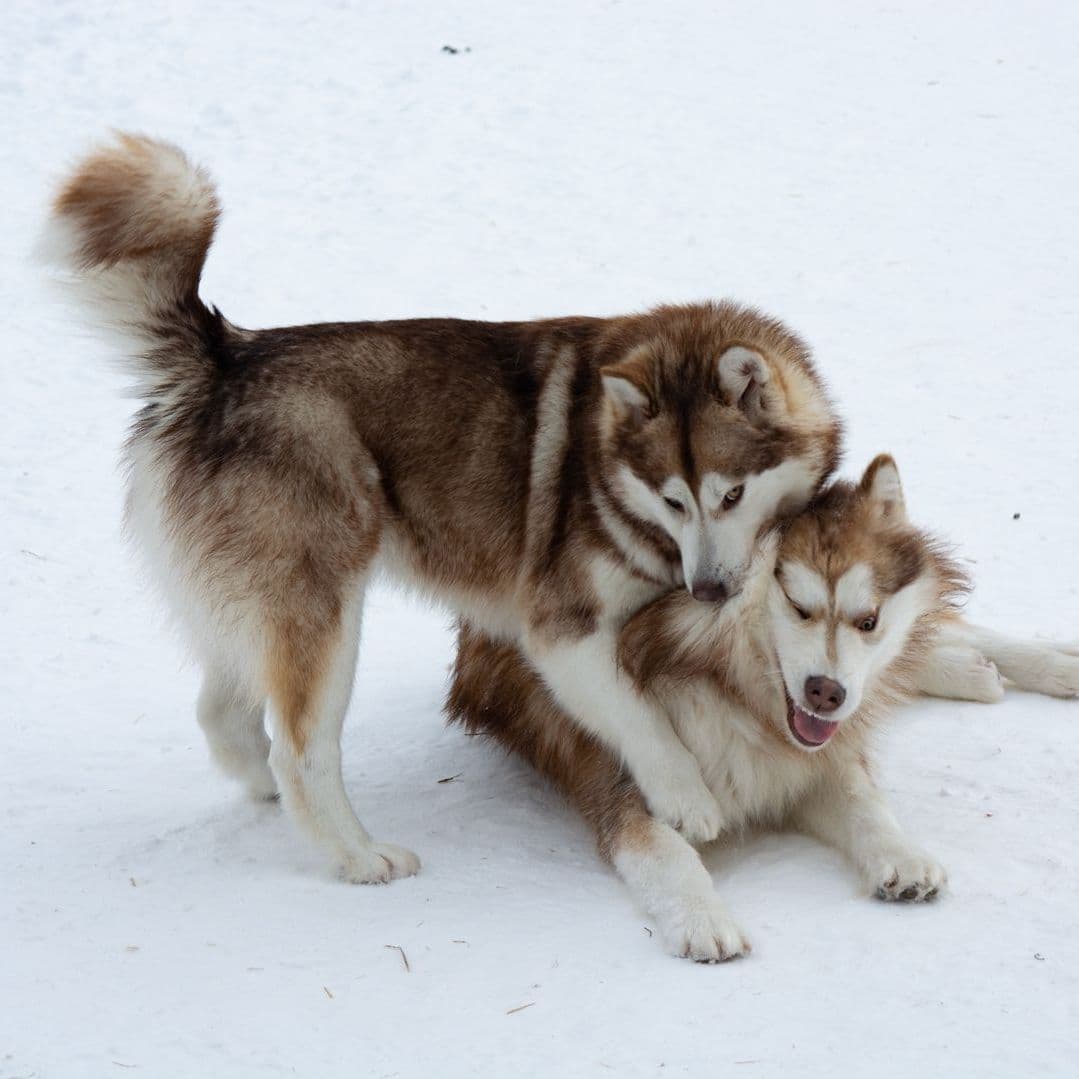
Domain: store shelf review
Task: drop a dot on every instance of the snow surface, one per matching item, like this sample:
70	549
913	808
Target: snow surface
898	181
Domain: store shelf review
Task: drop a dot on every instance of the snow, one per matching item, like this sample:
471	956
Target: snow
898	181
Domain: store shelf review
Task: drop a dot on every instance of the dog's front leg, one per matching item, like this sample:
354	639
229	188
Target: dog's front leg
849	813
583	675
669	880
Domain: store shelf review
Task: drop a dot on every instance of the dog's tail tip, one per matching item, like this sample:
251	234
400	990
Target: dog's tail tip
133	198
129	232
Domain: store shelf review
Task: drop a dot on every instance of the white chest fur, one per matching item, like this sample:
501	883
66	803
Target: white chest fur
754	780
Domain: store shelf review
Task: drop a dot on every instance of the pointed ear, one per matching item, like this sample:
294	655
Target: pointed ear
743	374
881	485
626	384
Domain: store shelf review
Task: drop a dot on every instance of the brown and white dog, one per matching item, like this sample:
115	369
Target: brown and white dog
846	611
544	479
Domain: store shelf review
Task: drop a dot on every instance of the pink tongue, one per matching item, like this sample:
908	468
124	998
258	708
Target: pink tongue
811	728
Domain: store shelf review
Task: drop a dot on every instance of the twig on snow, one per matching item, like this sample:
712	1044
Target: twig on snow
404	958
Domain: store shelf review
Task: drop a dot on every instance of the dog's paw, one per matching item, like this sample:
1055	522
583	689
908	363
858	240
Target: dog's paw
687	806
679	797
906	875
980	681
378	864
1041	667
261	785
1060	674
705	933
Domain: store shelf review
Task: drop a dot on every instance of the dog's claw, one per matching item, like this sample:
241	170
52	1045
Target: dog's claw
907	876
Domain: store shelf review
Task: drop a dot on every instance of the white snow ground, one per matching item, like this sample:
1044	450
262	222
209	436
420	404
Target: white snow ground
899	181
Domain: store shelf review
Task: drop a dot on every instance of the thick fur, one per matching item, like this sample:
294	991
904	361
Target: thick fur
722	675
522	473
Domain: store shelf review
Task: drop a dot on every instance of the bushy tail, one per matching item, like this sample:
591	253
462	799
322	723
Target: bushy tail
132	226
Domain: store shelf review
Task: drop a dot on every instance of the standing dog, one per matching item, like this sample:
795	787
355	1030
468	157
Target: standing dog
545	479
847	610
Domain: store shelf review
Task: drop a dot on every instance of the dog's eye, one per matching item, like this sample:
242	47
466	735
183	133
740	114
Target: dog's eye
868	623
675	505
733	497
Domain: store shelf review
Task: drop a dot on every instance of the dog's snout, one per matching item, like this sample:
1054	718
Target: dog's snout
709	591
824	695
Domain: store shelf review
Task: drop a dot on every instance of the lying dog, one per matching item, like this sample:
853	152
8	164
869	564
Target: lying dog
847	611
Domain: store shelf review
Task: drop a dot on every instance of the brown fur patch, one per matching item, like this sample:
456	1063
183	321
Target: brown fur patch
690	427
126	208
841	528
298	662
655	642
496	693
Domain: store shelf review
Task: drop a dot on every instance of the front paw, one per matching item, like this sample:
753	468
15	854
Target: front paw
378	863
907	875
704	932
687	805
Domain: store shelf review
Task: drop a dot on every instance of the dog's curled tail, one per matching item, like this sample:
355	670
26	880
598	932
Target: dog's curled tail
131	227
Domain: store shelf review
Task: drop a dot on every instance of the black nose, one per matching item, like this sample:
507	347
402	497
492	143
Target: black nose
823	695
709	591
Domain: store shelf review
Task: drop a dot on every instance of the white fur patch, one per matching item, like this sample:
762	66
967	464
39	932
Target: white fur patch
676	487
584	677
805	587
887	492
714	488
620	594
738	368
637	496
855	593
623	393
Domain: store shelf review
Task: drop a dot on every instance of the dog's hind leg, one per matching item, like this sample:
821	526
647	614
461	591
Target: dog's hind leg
234	728
1037	666
311	669
962	673
964	652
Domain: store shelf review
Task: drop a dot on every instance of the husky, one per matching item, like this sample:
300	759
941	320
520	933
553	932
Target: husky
847	610
543	479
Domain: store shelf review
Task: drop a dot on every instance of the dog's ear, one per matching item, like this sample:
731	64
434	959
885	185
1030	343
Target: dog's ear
627	384
881	486
743	376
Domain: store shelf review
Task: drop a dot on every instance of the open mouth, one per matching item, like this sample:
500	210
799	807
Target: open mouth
810	730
